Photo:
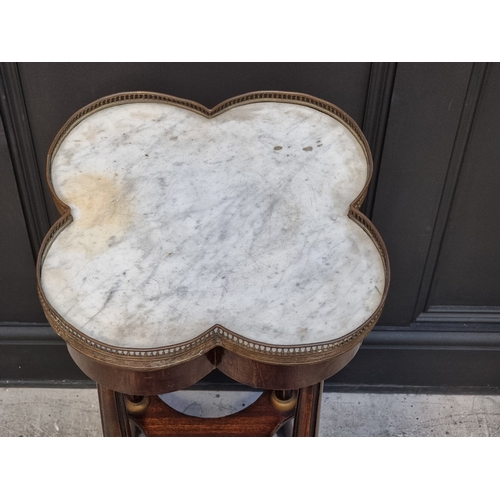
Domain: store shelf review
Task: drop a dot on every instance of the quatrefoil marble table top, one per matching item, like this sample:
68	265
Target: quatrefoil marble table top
183	229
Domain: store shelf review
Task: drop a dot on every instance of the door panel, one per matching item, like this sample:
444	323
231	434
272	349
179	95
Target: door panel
468	269
426	107
18	297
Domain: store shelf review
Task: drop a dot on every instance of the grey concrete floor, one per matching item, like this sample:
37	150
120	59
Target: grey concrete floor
75	412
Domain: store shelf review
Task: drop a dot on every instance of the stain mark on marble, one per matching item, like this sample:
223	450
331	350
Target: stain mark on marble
278	148
103	212
91	132
309	148
143	113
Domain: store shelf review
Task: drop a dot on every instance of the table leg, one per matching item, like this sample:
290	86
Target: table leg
307	413
114	416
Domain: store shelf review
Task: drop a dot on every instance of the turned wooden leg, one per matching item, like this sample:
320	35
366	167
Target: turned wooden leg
114	416
306	422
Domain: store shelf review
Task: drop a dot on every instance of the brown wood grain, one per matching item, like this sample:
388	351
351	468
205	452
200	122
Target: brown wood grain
306	423
114	418
244	370
145	383
280	377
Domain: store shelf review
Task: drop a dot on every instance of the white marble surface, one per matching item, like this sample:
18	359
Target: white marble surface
182	222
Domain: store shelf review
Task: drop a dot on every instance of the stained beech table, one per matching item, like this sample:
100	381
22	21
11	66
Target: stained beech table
193	239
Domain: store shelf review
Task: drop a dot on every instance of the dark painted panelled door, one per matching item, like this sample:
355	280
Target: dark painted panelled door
434	133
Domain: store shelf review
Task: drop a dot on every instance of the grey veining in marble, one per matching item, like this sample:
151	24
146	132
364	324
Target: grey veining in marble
182	222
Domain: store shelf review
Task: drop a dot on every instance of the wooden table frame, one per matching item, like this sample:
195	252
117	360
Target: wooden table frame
134	376
154	418
122	412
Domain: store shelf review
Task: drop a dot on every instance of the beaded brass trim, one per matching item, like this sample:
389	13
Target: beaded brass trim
155	358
